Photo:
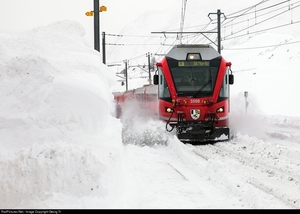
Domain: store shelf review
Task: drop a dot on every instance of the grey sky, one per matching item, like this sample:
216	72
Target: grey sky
20	15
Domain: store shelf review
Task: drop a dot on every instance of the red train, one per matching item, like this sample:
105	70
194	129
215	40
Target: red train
190	93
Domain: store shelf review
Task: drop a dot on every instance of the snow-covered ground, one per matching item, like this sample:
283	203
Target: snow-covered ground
62	147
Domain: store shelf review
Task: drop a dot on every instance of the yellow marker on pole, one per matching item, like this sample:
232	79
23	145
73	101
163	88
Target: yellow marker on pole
89	13
102	9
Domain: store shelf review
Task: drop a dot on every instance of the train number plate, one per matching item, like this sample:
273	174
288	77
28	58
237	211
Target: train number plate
195	100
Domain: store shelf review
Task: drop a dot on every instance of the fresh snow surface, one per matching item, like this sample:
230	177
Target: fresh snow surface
62	147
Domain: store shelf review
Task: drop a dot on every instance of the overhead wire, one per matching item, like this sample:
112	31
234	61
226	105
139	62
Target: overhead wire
246	12
251	7
254	6
263	14
249	19
263	30
266	46
269	18
290	7
228	22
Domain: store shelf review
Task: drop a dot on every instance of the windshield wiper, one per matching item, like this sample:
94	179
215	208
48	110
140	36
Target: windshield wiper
200	89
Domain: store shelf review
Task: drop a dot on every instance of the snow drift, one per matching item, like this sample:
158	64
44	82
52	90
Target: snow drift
52	102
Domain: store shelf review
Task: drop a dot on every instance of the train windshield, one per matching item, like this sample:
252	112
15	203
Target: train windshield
194	78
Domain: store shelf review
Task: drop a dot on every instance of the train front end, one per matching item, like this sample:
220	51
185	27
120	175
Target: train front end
193	90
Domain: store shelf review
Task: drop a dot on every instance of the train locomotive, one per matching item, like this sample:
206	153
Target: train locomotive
190	92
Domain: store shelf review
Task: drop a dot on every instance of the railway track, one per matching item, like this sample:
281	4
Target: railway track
275	180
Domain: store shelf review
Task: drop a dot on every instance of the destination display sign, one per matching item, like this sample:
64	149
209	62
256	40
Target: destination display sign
192	63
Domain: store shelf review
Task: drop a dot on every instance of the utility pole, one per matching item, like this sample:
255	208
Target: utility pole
182	19
96	15
246	102
126	76
149	67
219	28
219	31
103	48
96	26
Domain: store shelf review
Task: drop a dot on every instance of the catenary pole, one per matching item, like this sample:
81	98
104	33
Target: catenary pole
219	27
149	67
96	26
103	48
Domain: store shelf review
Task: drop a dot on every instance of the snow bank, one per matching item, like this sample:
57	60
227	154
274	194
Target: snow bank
55	107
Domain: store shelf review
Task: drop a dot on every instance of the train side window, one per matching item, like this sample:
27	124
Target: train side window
163	90
155	79
224	92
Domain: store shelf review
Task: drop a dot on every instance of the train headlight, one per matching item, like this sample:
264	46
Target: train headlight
220	110
193	56
169	110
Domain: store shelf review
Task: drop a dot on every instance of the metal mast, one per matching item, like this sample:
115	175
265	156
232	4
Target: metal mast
183	7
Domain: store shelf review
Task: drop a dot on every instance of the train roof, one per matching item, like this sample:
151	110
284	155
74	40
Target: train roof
149	89
179	52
